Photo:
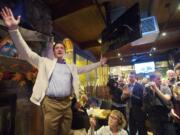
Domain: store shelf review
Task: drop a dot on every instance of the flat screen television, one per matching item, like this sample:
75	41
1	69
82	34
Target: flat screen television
123	30
145	67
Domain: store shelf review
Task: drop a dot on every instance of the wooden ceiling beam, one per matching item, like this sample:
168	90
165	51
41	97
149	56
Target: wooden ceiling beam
94	43
65	7
141	58
100	11
89	44
128	50
150	7
172	26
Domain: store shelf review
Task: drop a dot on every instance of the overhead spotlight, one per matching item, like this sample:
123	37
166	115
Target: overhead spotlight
150	54
164	34
121	59
154	49
119	54
178	8
99	40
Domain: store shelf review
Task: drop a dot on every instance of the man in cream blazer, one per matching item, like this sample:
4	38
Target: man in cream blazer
55	81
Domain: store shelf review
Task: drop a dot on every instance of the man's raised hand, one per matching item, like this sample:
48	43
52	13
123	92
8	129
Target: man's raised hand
103	60
9	20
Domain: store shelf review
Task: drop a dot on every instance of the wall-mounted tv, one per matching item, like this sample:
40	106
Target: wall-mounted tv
123	30
145	67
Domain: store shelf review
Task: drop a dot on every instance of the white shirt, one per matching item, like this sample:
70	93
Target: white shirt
105	130
60	84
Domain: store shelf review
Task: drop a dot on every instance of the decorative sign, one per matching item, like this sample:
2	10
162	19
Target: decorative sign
68	44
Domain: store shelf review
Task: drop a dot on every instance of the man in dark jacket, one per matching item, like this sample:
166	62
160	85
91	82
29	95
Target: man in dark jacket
133	94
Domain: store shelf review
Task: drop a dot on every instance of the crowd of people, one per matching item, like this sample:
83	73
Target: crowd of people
144	105
152	99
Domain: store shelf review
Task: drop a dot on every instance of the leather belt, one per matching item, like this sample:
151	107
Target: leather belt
59	98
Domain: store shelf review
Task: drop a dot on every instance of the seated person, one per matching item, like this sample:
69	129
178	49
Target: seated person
116	93
80	119
116	124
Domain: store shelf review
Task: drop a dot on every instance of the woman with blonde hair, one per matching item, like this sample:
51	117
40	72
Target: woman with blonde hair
116	125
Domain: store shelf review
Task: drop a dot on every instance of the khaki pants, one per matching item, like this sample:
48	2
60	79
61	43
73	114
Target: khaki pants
57	116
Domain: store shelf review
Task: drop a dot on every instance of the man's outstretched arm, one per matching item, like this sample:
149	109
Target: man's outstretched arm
23	49
90	67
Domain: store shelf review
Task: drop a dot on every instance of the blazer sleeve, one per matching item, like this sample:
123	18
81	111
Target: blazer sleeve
23	49
88	67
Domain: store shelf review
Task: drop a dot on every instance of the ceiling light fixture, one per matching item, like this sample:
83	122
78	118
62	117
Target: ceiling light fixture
154	49
164	34
99	40
178	8
119	54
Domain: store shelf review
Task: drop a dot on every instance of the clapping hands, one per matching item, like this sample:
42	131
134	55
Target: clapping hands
153	86
92	122
126	91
